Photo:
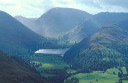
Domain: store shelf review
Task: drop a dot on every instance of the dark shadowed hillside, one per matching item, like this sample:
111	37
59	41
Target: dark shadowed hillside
15	38
14	70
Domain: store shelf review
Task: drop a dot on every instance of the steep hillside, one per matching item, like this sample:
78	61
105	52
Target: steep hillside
83	30
29	22
14	70
57	21
107	48
105	18
90	25
68	22
15	38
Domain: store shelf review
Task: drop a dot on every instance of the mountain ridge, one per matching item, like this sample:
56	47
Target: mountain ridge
57	21
15	36
101	51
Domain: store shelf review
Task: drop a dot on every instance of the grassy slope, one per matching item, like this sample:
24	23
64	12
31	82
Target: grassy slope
15	37
101	51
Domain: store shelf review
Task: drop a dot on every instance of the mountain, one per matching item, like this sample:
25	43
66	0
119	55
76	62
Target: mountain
83	30
92	24
28	22
15	70
15	38
107	48
105	18
70	24
57	21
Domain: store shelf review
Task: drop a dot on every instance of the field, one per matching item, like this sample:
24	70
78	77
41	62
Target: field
49	62
52	65
108	76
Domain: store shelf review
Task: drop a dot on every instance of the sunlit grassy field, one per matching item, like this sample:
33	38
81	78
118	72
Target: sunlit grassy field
49	62
109	76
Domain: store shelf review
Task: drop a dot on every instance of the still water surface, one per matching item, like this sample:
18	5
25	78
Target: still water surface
52	51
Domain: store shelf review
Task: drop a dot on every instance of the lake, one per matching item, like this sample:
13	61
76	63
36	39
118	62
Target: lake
52	51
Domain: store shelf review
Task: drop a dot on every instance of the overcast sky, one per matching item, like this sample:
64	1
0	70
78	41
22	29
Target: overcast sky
35	8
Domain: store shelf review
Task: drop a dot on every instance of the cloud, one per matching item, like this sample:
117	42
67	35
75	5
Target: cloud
34	8
113	5
121	3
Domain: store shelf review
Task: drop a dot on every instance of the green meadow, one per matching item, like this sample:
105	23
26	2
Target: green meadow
108	76
49	62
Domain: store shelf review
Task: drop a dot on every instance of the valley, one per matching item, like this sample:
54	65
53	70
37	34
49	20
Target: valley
50	66
64	45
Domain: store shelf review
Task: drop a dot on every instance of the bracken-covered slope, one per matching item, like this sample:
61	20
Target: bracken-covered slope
105	49
15	70
15	38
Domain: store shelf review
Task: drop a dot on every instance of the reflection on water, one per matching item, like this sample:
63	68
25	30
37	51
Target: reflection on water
52	51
